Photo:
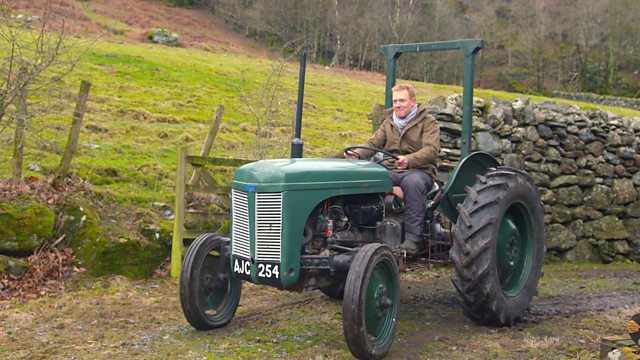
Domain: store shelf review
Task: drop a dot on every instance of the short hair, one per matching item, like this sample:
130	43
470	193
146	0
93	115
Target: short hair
409	88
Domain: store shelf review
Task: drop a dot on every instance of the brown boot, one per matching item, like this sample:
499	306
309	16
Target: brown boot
411	244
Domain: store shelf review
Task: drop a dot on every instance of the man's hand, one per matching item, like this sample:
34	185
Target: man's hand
351	155
402	163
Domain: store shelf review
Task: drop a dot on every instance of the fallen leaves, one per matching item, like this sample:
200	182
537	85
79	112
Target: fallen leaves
48	270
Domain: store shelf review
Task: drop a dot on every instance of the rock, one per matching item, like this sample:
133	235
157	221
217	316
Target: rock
624	191
514	161
545	132
625	153
586	135
582	252
163	37
604	170
547	196
563	181
608	228
24	226
568	166
598	197
560	238
531	134
586	178
540	179
523	111
636	179
551	169
596	148
569	195
489	142
118	252
561	214
12	266
633	209
552	155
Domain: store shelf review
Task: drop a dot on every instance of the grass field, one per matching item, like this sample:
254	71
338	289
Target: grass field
148	100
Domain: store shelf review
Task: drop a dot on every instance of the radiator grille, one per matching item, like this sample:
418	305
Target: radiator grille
268	226
240	224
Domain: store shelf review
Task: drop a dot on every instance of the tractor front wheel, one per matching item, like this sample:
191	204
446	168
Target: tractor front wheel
498	247
370	304
209	293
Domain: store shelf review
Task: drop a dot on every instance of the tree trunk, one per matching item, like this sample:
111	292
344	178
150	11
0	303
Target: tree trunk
74	134
21	128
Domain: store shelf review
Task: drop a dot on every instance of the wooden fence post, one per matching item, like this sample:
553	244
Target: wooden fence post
74	134
376	116
177	245
208	141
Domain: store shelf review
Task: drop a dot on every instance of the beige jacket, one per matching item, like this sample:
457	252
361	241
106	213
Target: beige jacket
419	142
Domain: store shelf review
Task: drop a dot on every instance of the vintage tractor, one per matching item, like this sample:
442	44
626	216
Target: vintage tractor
332	225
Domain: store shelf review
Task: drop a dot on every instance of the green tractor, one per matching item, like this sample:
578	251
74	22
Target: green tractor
333	225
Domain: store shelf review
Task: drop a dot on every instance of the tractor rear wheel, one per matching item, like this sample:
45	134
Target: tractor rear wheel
370	304
209	294
498	247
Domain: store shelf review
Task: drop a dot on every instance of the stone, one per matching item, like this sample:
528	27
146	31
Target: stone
582	252
625	153
531	134
604	170
568	166
596	148
563	181
560	238
121	253
598	197
514	161
523	111
633	209
608	228
163	37
552	155
586	135
577	227
623	191
620	171
24	226
569	195
540	179
547	196
489	142
551	169
545	132
561	214
586	178
12	266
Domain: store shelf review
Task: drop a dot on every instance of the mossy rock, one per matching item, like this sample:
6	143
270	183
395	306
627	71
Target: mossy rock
12	266
129	255
24	226
133	258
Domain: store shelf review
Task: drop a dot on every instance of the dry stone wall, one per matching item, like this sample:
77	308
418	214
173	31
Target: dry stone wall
586	164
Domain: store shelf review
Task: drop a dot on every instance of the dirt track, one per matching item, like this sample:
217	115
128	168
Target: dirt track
116	318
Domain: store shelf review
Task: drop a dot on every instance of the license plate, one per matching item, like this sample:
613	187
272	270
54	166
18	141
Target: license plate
265	271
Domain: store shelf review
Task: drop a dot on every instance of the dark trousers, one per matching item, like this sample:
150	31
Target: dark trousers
415	185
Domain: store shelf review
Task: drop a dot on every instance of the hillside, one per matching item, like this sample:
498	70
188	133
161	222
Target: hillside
148	100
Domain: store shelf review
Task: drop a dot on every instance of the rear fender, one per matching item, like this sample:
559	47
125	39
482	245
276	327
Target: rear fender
464	175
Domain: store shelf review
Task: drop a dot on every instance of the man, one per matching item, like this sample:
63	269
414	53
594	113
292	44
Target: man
414	136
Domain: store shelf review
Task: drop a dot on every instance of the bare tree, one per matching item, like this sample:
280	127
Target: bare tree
39	54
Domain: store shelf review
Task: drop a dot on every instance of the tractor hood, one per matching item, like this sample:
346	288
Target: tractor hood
311	174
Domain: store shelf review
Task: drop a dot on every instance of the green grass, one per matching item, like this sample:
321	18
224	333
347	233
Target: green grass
148	100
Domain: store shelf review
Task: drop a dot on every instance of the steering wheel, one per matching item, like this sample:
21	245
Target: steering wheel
386	154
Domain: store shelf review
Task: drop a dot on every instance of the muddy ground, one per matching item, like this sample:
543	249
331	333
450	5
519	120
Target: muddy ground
114	318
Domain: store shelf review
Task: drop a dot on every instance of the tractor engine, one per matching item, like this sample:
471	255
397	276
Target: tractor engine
348	222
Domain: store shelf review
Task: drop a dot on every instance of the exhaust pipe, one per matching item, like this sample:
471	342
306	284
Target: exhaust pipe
296	143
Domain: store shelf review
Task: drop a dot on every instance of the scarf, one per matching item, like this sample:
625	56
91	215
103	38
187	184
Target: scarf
401	123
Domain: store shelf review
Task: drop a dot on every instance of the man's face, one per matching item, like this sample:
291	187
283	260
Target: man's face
402	103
